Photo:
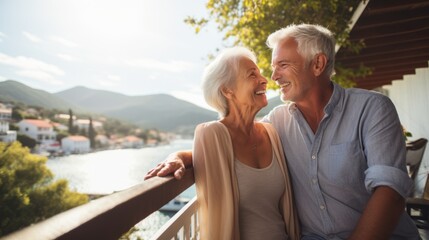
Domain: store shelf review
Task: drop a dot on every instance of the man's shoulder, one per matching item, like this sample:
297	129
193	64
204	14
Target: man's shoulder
366	95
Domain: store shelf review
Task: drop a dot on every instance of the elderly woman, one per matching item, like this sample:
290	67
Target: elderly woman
242	181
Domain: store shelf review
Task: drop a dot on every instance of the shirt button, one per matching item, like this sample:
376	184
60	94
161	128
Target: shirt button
314	180
322	207
313	157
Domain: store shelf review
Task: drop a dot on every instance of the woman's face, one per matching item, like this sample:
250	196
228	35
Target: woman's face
250	88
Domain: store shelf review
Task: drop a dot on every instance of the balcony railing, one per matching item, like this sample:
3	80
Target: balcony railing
184	224
111	216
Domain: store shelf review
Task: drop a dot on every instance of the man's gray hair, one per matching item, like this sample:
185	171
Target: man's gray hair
311	39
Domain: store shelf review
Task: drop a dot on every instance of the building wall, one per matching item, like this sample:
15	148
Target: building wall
411	99
70	146
42	135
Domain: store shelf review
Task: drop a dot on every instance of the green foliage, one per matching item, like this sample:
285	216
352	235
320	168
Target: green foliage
61	135
27	191
17	114
72	128
249	22
26	141
114	126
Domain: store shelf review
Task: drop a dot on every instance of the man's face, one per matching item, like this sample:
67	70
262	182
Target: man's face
290	71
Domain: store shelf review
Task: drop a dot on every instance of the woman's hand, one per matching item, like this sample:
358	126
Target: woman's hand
173	164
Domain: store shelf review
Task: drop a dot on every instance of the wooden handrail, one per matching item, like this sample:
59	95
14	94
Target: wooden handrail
111	216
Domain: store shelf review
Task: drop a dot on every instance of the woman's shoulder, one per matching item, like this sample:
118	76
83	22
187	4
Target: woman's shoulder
210	127
268	126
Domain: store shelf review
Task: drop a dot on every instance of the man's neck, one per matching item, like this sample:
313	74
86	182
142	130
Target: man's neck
313	107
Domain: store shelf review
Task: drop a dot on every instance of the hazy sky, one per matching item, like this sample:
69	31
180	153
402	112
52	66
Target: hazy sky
134	47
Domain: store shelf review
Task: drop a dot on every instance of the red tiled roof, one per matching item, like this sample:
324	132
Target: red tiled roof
78	138
38	123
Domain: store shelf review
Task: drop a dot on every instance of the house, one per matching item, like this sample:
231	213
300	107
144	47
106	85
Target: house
75	144
84	124
102	140
40	130
60	127
6	135
132	142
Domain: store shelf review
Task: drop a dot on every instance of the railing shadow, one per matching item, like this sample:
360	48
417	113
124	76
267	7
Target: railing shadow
111	216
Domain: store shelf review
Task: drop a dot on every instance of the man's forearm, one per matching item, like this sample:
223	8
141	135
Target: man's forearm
381	215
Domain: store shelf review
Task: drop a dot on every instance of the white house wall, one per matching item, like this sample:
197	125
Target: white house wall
411	99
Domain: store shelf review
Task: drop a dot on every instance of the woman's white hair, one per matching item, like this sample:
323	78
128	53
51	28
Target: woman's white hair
221	73
311	39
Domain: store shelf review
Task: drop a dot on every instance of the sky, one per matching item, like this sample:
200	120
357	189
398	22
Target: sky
133	47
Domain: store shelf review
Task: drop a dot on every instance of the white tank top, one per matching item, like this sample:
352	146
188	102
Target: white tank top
260	192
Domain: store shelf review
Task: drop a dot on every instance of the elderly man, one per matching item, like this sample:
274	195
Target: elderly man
344	147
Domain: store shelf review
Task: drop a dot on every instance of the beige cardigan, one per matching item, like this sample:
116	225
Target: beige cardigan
216	183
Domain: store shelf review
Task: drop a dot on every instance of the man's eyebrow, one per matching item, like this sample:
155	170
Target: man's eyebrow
280	61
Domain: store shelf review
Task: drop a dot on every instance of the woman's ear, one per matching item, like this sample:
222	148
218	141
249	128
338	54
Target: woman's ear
319	64
227	92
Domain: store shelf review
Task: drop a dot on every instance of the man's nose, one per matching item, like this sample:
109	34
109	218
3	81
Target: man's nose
274	75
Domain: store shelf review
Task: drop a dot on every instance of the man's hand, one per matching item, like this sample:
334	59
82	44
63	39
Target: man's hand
174	164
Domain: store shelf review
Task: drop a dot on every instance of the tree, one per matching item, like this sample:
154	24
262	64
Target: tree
26	141
72	129
91	133
249	22
27	191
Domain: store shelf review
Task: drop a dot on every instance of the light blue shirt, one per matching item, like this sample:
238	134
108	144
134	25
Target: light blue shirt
358	146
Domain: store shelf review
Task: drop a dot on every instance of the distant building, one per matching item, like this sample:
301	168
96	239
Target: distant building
32	112
84	124
102	140
60	127
63	116
131	142
40	130
75	144
6	135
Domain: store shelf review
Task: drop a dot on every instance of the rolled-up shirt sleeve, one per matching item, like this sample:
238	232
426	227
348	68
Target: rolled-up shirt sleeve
385	149
392	177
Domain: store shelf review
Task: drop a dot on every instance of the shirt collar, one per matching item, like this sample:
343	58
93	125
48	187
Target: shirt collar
334	101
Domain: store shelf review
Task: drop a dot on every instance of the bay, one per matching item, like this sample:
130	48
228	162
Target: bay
106	172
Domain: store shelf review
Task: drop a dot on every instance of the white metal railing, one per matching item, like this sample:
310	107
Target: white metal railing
183	225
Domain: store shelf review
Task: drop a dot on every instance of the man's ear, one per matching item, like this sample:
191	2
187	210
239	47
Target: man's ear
319	64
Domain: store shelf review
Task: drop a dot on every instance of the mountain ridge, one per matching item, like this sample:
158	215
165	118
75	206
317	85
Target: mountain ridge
160	111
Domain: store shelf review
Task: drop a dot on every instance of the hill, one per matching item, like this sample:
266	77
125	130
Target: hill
160	111
13	91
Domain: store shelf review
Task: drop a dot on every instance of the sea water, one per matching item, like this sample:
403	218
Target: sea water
106	172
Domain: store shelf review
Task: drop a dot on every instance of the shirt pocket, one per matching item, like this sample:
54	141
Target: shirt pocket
346	164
